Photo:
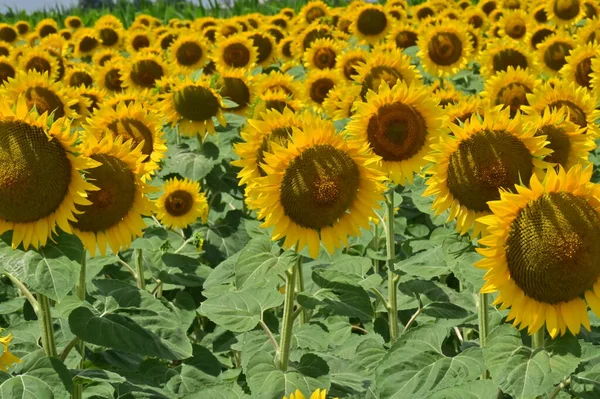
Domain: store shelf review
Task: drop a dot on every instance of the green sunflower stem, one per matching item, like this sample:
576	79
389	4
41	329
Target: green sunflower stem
139	268
300	288
81	291
537	339
393	278
285	342
200	142
45	316
484	324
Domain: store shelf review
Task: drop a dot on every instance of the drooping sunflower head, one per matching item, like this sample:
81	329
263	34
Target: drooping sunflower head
340	100
541	251
403	36
113	215
322	54
514	24
143	70
317	85
384	66
79	74
444	48
500	54
484	156
236	51
371	23
46	27
40	180
86	42
578	68
237	86
537	34
191	106
553	52
565	12
509	89
399	124
181	204
319	188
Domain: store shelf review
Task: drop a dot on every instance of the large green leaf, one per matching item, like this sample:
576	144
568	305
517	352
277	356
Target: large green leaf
39	376
415	367
197	372
260	264
192	165
524	372
482	389
26	387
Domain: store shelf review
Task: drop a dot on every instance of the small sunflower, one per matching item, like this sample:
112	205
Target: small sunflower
423	11
46	27
236	51
40	179
581	105
553	52
275	100
114	215
464	109
340	100
371	23
192	106
313	11
447	96
537	34
500	54
110	36
320	188
444	49
542	246
86	41
73	22
475	17
322	54
564	12
509	89
347	62
188	52
590	32
592	9
8	34
578	68
7	359
79	74
167	38
39	60
514	24
266	48
7	70
238	86
399	124
284	49
143	70
276	32
305	38
137	40
403	35
569	143
317	85
23	27
318	394
95	98
109	76
482	157
487	6
181	204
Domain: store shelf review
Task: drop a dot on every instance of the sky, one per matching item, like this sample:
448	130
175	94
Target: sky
32	5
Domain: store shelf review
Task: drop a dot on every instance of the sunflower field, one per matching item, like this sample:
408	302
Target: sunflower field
294	200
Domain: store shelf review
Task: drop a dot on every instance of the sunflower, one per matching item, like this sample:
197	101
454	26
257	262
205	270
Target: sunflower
143	70
487	6
284	49
590	32
592	9
444	49
5	49
581	105
484	156
537	258
101	57
464	109
8	34
475	17
278	81
553	52
384	66
23	27
564	12
109	76
447	96
40	92
7	359
403	35
238	86
514	24
305	38
134	123
39	60
136	40
235	52
318	394
578	68
313	11
40	183
166	39
370	23
340	100
192	106
86	41
322	54
317	85
399	124
73	22
319	188
79	74
538	33
266	48
188	52
110	36
275	100
595	75
569	143
7	70
46	27
114	213
500	54
423	11
509	89
181	204
94	99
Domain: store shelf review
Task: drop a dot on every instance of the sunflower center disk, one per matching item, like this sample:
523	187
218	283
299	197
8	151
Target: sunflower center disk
236	55
112	80
130	129
45	100
319	186
320	88
324	58
582	72
576	114
237	91
350	67
445	48
115	198
179	203
87	44
371	22
554	56
553	246
483	164
264	46
196	103
566	9
508	57
146	72
515	29
280	136
406	39
397	132
34	173
38	64
559	143
513	95
377	75
188	53
108	37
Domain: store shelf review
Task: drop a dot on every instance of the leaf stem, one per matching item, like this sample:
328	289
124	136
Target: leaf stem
381	298
139	267
129	268
48	341
537	339
484	325
270	335
67	349
288	316
26	293
393	278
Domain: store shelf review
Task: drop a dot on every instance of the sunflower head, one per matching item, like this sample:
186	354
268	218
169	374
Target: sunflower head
500	54
8	34
110	35
322	54
444	48
339	103
188	52
181	204
109	76
138	39
565	12
317	85
509	89
553	52
79	75
371	23
537	34
578	68
266	47
7	70
464	109
236	51
313	11
143	70
86	42
23	27
514	24
40	61
347	62
403	35
275	100
236	85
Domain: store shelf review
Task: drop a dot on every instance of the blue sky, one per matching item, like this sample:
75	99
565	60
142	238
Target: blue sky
32	5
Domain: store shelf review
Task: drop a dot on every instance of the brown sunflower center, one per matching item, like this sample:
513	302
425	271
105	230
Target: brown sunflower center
145	72
566	9
555	55
115	198
74	23
351	65
188	53
314	13
47	30
540	35
167	40
582	72
286	49
236	55
378	74
45	100
405	39
112	80
397	132
425	12
314	34
508	57
38	64
319	186
8	34
94	102
541	16
576	114
264	47
280	136
513	95
237	90
277	105
552	247
445	48
488	7
559	143
371	22
324	58
590	10
35	173
179	203
187	100
108	36
475	21
22	28
320	88
133	129
139	42
515	28
81	78
88	44
6	71
483	164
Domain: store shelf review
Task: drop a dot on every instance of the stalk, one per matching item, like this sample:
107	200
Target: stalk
288	316
300	286
537	339
81	291
483	324
139	268
393	278
48	341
